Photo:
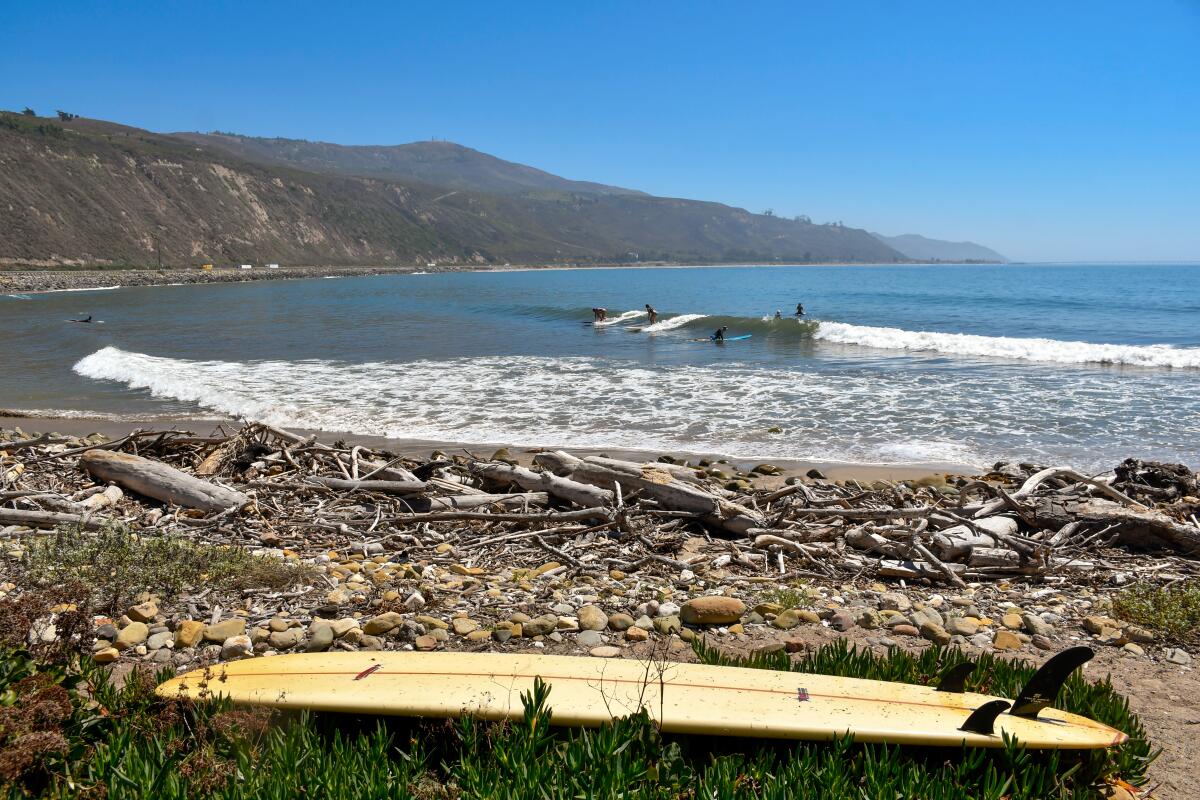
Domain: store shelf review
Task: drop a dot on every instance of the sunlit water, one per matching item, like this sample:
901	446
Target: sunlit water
1082	364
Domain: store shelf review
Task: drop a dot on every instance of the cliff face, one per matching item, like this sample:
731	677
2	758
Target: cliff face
90	192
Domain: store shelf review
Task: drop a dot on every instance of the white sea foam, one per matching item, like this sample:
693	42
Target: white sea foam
628	315
1049	350
672	323
852	415
83	289
20	297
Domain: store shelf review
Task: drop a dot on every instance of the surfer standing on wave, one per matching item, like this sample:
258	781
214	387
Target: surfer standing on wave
651	313
600	314
799	309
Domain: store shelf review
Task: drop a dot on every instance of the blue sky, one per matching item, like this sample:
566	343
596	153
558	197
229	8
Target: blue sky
1048	130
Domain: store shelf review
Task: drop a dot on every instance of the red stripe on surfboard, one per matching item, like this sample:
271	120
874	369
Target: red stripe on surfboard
216	676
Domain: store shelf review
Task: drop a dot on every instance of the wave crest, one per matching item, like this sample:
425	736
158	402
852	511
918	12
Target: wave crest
1047	350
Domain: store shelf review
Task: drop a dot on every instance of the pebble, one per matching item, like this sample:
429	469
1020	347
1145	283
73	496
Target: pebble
285	639
131	635
188	632
905	630
667	624
620	622
636	634
1006	640
605	651
786	620
592	618
106	656
1036	625
383	623
320	638
712	610
1043	642
894	601
426	642
589	638
223	630
143	612
236	647
461	625
961	626
1133	649
1012	621
278	624
935	633
157	640
841	621
1176	655
539	626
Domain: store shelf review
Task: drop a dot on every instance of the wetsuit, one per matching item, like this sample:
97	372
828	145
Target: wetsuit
719	336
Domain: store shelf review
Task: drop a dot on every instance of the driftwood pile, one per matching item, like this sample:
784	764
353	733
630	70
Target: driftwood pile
266	487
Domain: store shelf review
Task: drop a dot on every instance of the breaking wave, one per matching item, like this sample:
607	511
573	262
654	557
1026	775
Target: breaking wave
670	324
736	409
617	320
1047	350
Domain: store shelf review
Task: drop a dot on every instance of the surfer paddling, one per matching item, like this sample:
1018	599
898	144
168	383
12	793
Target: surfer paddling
651	313
600	314
88	318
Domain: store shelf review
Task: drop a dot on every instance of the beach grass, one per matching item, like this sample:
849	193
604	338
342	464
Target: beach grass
1172	610
66	731
115	565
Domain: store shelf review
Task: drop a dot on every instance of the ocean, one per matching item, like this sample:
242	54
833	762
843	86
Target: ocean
1082	364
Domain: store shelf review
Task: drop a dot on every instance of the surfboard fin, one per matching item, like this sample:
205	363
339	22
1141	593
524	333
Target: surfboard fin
1044	686
954	679
983	719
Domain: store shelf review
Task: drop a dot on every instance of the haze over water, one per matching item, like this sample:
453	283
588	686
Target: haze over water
1081	365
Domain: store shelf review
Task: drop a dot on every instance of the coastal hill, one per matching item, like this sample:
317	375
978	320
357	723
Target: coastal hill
433	162
88	192
921	248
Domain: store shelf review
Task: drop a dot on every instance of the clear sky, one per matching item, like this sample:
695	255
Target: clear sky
1048	130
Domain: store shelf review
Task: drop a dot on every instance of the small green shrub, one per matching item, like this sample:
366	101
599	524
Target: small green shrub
786	597
1170	610
115	565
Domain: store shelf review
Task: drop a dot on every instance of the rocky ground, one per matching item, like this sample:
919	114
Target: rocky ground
459	560
23	281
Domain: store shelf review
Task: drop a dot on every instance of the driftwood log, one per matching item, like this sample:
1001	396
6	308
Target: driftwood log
581	494
658	484
159	481
386	487
48	519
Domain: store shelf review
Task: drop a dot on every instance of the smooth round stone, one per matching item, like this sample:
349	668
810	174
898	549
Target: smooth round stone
605	651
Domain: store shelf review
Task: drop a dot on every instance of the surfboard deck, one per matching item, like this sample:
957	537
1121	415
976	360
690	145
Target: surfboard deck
683	698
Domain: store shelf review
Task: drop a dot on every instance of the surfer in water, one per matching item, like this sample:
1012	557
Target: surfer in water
778	314
88	318
651	313
799	309
719	336
600	314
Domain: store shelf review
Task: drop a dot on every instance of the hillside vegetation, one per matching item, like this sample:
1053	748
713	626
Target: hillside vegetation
92	192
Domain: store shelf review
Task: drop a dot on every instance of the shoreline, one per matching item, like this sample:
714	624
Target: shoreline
422	448
41	281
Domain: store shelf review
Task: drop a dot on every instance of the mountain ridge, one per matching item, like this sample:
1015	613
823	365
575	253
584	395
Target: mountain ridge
435	162
92	192
923	248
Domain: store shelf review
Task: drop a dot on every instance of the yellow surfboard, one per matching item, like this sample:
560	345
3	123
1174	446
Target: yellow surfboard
683	698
